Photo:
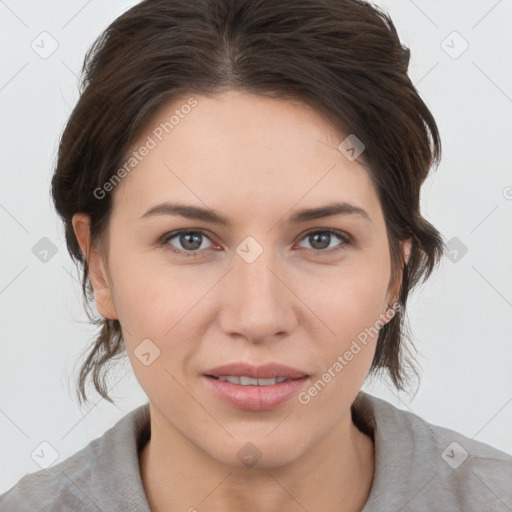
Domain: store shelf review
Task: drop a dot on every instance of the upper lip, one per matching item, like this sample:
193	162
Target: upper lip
266	371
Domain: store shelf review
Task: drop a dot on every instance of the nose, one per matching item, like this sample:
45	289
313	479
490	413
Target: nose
258	304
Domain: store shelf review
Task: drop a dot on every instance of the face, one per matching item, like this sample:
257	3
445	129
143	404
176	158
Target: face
265	285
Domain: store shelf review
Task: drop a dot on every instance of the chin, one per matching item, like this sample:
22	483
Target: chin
257	453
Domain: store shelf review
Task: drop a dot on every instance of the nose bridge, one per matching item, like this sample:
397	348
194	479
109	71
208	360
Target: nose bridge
258	276
259	302
254	264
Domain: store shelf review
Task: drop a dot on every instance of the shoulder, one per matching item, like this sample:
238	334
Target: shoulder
67	485
52	489
422	466
101	476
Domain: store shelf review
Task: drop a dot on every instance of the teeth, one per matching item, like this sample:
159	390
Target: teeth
249	381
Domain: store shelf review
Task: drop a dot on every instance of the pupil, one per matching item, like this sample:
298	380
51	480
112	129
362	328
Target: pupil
191	244
324	236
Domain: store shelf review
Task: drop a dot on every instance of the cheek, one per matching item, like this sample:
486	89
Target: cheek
150	293
166	305
158	310
352	298
349	307
344	352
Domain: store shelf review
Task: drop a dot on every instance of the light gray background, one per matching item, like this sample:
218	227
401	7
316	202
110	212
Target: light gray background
461	320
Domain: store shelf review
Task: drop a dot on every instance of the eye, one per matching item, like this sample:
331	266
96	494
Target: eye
321	240
190	241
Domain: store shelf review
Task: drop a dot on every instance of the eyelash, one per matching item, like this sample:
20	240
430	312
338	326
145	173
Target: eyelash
344	237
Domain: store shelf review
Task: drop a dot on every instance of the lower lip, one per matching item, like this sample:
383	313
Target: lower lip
255	398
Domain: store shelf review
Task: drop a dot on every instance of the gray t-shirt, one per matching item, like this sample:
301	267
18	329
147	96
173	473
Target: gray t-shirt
418	467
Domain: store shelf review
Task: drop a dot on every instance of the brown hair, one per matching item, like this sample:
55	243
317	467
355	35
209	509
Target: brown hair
343	57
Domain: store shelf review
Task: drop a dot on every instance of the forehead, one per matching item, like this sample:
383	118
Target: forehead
239	149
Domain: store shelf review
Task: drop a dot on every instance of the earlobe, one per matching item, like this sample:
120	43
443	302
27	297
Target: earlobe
407	250
97	267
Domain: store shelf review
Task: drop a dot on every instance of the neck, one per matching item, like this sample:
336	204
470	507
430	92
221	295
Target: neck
336	475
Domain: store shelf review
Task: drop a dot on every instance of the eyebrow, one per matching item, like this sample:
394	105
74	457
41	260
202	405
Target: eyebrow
208	215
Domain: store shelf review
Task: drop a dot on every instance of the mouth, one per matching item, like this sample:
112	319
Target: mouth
255	388
244	380
245	371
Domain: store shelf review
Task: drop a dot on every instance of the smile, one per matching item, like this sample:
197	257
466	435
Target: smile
249	381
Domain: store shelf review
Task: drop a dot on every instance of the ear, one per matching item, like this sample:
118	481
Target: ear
406	251
97	267
406	247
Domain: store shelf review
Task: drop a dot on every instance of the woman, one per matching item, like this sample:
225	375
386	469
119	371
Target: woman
240	181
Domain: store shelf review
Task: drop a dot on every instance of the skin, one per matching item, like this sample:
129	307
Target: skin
254	160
